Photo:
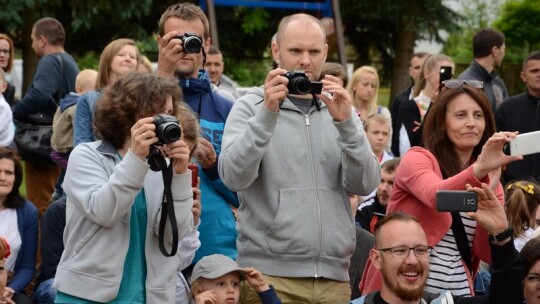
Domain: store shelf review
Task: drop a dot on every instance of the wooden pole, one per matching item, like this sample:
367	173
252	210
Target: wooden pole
213	23
339	33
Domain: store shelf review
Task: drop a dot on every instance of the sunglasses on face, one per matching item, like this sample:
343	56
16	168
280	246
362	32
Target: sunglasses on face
457	83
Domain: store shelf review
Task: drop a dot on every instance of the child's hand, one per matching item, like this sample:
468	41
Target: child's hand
256	280
207	297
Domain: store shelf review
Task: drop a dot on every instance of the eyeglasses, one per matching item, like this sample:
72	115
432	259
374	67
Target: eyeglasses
5	51
532	279
403	251
457	83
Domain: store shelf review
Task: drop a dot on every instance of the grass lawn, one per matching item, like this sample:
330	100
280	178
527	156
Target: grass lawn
384	97
22	189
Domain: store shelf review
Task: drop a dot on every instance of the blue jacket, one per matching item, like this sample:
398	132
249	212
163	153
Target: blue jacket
84	118
25	265
218	227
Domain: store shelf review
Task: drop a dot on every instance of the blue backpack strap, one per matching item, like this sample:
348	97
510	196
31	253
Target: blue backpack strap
445	297
359	300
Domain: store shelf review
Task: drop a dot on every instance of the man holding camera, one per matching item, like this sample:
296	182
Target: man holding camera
293	159
184	38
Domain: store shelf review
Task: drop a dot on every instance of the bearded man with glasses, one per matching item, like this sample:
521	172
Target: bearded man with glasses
402	255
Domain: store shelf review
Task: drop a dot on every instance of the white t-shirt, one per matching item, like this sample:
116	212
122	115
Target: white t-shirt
10	231
7	129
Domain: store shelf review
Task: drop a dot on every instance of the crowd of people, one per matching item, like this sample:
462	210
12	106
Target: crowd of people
169	186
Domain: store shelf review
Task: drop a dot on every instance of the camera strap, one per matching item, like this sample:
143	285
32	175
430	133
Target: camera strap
461	239
167	211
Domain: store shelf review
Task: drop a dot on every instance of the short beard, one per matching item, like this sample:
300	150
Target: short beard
402	293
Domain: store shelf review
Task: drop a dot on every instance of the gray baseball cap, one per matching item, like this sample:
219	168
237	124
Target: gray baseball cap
214	266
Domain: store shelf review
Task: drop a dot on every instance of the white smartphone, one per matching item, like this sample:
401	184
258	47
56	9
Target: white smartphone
526	143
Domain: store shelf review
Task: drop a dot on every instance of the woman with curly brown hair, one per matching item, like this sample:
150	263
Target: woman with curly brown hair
114	200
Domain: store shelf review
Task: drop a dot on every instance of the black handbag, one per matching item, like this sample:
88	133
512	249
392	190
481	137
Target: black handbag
33	140
33	136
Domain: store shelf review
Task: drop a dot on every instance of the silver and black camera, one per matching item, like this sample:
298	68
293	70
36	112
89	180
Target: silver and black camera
301	85
167	129
191	42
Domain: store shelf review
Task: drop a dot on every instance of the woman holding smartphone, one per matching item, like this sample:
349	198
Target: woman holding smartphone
411	113
461	147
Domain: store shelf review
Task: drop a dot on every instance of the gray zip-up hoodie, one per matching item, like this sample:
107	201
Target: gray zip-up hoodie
293	172
100	191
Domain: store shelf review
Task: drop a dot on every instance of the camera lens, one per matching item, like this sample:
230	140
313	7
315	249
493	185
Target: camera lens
170	132
192	45
300	85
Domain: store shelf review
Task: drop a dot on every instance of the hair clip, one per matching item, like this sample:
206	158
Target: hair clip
529	187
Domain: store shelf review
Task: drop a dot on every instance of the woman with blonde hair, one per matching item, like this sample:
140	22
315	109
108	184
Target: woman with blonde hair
412	112
522	200
118	58
364	89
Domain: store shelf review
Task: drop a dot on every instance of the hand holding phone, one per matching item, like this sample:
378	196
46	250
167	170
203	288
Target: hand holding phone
194	174
445	73
526	143
457	201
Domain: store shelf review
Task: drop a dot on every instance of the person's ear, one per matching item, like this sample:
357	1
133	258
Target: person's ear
495	51
207	44
196	290
42	40
275	52
522	76
375	257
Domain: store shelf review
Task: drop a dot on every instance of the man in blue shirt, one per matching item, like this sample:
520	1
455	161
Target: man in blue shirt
54	77
217	227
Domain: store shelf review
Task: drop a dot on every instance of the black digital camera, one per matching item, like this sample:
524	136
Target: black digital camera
301	85
167	129
191	42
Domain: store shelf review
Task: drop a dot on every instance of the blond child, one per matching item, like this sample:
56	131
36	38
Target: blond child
522	201
62	136
378	129
216	280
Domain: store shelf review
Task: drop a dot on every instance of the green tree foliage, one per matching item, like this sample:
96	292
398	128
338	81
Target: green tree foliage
519	21
477	14
384	32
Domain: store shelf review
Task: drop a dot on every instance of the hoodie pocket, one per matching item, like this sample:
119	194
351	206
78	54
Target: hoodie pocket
296	225
338	233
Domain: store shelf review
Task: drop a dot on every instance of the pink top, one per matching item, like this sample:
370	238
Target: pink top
417	180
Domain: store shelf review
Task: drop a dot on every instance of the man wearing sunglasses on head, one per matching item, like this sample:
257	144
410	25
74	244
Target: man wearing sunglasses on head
402	255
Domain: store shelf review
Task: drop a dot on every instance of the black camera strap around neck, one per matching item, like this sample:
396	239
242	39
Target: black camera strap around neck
167	210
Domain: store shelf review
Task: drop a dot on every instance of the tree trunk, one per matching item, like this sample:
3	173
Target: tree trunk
405	40
28	54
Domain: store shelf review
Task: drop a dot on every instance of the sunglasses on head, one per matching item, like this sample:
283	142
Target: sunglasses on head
457	83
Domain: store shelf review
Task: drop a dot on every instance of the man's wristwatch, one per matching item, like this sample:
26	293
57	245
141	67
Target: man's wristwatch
501	236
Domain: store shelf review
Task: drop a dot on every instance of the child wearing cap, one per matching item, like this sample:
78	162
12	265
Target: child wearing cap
216	280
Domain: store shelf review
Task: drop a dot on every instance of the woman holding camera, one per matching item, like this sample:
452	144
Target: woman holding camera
113	200
461	147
